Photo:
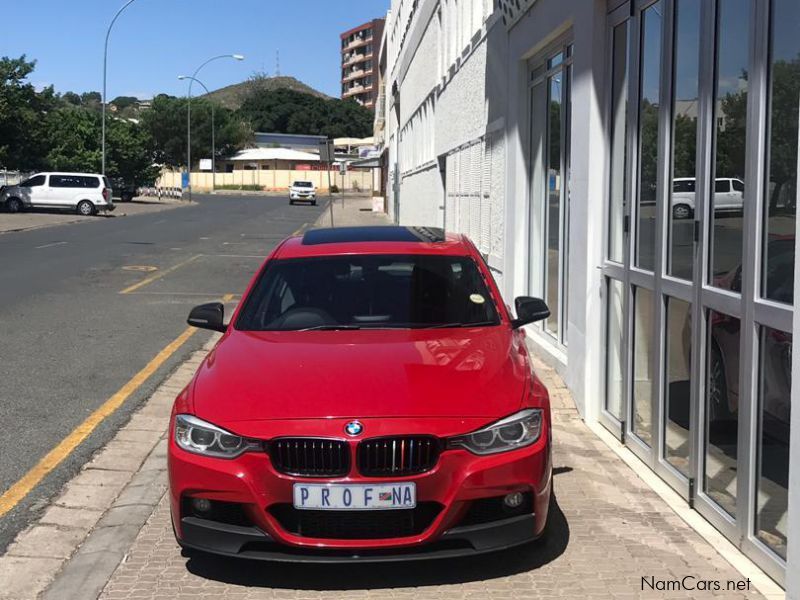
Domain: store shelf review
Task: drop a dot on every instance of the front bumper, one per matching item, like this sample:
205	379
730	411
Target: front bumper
253	543
300	196
457	482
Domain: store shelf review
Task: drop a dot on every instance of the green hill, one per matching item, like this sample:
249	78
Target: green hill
231	96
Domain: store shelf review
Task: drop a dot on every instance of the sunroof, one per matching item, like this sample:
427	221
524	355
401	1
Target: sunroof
386	233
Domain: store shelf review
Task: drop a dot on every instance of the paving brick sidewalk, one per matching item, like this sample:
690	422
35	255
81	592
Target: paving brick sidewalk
609	530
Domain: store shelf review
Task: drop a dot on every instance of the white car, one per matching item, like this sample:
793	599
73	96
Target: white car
303	191
728	196
85	193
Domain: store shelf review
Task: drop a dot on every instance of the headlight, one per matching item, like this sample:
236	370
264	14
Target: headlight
195	435
517	431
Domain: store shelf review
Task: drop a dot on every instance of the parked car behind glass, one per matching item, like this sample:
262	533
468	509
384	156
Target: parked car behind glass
728	196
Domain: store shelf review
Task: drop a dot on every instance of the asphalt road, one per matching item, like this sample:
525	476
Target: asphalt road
69	339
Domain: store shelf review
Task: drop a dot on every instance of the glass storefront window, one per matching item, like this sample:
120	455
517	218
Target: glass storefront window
642	384
619	147
775	385
722	409
730	123
677	410
684	138
614	348
554	185
780	197
649	93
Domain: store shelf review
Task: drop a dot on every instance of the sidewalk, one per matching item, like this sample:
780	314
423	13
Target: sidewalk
356	210
38	218
611	535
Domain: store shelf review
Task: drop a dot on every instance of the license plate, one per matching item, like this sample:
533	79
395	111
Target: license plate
339	496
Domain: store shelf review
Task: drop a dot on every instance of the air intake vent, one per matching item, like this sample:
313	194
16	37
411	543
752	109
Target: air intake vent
393	456
356	524
310	457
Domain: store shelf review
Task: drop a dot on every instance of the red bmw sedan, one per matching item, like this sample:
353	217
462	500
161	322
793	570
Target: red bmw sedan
372	399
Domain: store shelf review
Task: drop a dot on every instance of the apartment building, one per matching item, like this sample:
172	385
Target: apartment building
635	164
359	48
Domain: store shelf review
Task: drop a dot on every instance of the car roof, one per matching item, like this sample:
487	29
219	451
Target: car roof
69	173
388	239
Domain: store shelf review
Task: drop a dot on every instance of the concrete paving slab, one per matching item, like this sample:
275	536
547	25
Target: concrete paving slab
79	518
25	578
47	541
97	497
95	476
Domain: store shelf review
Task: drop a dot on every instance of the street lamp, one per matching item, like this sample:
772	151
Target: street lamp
192	79
213	142
105	69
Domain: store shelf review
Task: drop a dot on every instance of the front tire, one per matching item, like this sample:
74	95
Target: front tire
681	211
718	407
14	205
86	208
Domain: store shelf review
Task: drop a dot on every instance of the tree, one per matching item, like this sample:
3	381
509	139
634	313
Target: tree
289	111
73	142
785	96
165	125
71	98
123	102
21	110
93	100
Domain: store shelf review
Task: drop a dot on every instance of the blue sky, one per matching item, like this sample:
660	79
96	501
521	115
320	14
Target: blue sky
154	41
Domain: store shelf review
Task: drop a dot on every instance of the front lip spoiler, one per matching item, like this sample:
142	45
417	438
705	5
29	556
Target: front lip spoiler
230	540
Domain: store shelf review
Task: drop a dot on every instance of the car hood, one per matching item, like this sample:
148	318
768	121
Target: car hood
251	376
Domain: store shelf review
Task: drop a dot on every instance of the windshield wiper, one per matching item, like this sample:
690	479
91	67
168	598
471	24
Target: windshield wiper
453	325
329	328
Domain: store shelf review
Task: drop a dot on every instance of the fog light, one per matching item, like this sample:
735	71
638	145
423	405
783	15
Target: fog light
201	505
513	500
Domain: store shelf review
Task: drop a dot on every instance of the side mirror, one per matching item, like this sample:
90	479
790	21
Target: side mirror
208	316
529	310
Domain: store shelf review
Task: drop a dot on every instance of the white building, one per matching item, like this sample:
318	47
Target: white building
551	133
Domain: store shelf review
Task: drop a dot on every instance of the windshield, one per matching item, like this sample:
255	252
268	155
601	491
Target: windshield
368	291
304	184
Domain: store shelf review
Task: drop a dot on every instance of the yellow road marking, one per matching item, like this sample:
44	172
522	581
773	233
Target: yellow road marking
158	276
52	459
144	268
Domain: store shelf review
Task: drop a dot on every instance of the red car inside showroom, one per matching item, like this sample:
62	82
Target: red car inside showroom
371	398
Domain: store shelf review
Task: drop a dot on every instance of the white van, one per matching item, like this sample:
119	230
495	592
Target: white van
728	196
85	193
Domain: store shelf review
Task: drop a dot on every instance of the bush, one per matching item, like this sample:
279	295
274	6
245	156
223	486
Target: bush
334	189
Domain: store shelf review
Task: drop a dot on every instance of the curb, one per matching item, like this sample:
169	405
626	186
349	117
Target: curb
84	534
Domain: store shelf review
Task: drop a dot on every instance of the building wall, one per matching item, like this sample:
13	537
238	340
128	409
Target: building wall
450	169
368	79
272	180
584	24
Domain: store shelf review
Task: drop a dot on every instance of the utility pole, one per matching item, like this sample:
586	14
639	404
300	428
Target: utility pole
105	78
326	156
192	79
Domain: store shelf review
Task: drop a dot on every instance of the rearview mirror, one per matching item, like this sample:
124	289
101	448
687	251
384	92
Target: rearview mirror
529	310
208	316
